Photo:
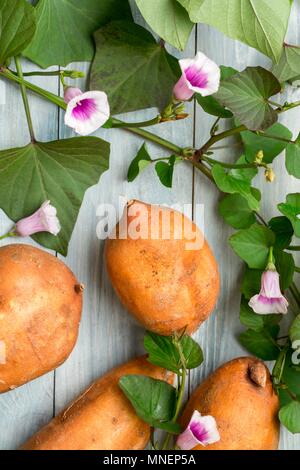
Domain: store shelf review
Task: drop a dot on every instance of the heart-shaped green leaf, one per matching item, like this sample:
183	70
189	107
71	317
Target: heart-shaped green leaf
153	400
191	6
291	209
253	245
261	24
141	161
262	343
17	27
165	171
288	67
289	416
168	19
254	321
236	211
126	60
65	29
253	142
246	95
59	171
294	332
283	230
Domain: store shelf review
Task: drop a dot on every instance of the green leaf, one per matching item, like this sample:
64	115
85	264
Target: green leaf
246	95
163	351
191	6
234	182
261	24
17	27
288	67
253	245
209	104
132	68
255	321
289	416
253	143
251	282
291	209
153	400
65	29
285	265
59	171
294	332
165	171
236	211
261	343
283	230
292	160
168	19
139	163
290	376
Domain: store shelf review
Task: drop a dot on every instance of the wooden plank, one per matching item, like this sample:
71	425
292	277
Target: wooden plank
218	335
26	409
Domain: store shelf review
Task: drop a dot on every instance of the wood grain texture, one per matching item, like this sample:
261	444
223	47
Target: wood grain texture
108	335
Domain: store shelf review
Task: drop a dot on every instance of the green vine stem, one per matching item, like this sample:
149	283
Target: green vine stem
25	99
229	165
297	269
7	235
293	248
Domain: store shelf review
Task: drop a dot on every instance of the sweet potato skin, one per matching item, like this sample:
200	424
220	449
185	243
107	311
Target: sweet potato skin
40	311
102	418
164	285
245	412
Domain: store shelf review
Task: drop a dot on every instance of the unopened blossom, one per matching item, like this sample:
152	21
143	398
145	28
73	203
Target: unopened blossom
43	220
86	112
199	75
201	430
270	298
270	175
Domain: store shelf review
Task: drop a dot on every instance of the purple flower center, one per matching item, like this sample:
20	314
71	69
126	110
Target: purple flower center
196	77
84	109
269	300
199	431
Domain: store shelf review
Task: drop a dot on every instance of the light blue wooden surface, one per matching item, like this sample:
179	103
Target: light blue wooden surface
108	335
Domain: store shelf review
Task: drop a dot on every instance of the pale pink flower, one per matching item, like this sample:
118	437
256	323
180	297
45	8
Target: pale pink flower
199	75
270	298
43	220
201	430
86	112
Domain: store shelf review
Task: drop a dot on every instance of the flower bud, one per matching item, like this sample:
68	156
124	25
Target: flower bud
270	175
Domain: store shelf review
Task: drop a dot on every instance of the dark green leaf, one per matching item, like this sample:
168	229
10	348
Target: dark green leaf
234	181
65	29
255	321
163	351
259	23
141	161
209	104
168	19
285	265
236	211
17	27
294	332
291	375
289	416
253	143
283	230
291	209
153	400
165	171
261	343
288	67
60	171
253	245
251	282
132	68
292	160
246	95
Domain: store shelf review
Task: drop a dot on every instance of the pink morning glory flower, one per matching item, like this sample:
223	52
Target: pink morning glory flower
43	220
201	430
86	112
199	75
270	298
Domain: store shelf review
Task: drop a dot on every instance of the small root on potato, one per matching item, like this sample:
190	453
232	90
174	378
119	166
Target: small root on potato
258	374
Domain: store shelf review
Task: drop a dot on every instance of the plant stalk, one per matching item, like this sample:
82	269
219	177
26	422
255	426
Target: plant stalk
25	99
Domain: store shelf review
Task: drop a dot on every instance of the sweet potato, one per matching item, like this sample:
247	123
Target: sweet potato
167	281
102	418
240	396
40	310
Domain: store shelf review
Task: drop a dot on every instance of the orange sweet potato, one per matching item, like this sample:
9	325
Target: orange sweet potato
40	310
102	418
240	396
168	284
